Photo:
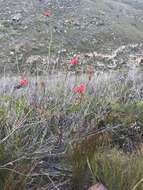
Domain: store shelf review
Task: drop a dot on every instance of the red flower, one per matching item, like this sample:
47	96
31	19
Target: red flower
47	13
80	89
23	82
74	61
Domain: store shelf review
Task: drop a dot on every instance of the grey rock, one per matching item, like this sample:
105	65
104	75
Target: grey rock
17	17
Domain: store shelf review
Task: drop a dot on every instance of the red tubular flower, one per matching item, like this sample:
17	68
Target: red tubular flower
23	82
47	13
74	61
80	89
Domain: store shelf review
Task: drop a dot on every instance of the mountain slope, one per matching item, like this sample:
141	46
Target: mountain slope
80	25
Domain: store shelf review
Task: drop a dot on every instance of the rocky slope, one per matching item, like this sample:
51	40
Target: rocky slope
75	25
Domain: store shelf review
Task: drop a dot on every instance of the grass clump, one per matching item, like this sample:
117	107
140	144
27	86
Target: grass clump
117	170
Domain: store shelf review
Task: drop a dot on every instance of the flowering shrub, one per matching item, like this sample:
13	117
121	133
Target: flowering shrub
23	82
47	13
80	89
74	61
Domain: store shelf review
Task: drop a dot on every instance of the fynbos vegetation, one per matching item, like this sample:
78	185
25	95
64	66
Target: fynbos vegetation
71	95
